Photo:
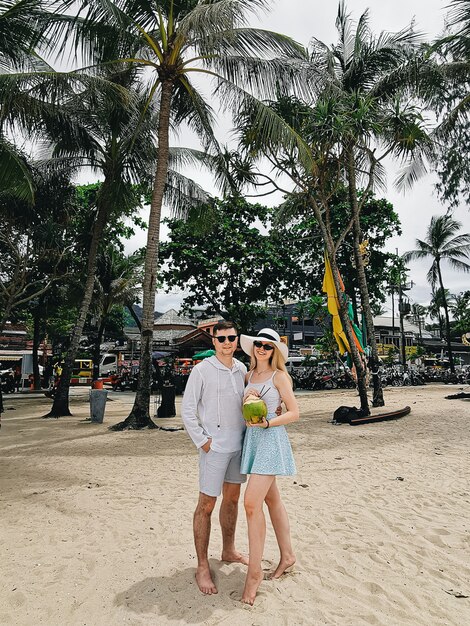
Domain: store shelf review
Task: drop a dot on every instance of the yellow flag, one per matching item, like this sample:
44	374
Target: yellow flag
333	309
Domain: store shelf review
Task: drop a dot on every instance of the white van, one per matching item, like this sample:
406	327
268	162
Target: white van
108	363
294	363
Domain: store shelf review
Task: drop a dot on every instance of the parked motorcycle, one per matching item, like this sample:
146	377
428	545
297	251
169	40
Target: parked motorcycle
125	381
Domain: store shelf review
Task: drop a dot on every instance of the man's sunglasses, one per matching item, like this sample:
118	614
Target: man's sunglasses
222	338
266	346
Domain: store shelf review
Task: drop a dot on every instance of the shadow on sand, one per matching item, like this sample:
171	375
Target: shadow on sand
178	597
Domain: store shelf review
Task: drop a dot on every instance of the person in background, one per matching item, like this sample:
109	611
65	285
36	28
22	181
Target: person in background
17	377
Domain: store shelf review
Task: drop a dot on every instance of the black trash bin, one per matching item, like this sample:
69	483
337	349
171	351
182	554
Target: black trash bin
167	407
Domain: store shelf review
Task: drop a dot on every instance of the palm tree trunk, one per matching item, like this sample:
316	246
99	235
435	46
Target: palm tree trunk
343	312
356	357
97	350
36	342
60	405
135	317
378	398
139	417
446	313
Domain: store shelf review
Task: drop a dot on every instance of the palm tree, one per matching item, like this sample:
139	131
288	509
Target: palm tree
358	119
417	315
362	71
435	309
22	24
460	309
444	84
116	138
174	40
443	242
109	144
117	284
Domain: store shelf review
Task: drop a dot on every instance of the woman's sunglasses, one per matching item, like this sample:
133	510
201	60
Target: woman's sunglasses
222	338
266	346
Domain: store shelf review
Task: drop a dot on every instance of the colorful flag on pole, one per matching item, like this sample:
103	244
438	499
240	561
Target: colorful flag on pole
333	308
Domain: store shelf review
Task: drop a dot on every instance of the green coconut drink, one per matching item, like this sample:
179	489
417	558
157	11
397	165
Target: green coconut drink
254	409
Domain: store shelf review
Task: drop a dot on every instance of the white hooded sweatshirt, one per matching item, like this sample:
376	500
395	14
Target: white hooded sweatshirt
212	405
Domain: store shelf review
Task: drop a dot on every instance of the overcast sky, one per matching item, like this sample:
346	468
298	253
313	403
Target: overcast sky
305	19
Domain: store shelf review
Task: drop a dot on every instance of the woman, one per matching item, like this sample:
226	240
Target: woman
267	453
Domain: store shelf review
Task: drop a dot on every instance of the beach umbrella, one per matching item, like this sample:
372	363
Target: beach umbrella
203	355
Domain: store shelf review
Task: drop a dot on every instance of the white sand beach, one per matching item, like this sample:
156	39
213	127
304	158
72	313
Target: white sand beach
97	525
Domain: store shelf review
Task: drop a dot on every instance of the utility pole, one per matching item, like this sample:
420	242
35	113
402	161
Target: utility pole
404	309
401	306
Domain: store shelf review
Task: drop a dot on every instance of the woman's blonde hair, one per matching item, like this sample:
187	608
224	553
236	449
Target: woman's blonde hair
276	361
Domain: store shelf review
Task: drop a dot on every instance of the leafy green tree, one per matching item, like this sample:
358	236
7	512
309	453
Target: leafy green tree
443	243
378	222
35	241
229	264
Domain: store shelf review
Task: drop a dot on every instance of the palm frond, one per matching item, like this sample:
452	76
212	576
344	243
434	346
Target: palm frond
268	79
459	265
457	245
251	42
272	131
182	194
16	177
100	31
459	15
347	42
433	274
408	175
190	107
22	29
207	18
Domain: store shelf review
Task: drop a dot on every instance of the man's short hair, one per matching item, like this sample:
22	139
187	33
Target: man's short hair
224	326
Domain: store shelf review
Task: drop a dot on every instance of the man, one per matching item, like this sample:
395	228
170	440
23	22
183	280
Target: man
212	415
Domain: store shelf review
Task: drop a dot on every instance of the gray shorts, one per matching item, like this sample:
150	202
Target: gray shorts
215	468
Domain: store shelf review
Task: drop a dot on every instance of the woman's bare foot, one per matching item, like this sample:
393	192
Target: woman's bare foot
204	581
234	557
252	582
284	565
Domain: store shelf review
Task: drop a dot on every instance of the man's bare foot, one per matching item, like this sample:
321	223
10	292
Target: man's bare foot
284	566
204	581
234	557
252	582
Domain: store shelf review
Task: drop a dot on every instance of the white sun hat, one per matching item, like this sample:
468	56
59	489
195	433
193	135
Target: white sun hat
265	334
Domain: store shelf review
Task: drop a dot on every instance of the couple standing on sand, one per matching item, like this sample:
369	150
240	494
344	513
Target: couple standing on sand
229	449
